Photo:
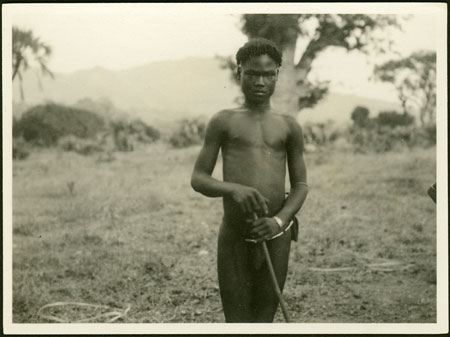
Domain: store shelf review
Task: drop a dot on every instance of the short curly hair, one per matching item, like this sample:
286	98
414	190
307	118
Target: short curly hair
258	47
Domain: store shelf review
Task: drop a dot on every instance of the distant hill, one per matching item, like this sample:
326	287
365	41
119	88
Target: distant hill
164	90
169	90
339	106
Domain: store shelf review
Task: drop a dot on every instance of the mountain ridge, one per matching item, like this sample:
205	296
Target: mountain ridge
172	89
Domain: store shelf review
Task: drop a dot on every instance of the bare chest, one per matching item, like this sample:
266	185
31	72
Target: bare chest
269	133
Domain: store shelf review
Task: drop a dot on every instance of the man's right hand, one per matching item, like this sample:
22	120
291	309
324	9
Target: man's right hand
249	199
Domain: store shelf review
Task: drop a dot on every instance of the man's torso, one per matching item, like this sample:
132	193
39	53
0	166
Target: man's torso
254	154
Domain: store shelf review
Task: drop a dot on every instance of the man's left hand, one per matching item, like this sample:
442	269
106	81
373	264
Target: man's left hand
264	228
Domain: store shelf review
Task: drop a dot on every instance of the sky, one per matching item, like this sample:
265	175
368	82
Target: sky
118	37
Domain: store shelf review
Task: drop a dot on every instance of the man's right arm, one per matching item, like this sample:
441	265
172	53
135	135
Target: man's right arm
201	179
248	198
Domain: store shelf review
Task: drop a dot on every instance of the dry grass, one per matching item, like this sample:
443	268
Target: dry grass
132	232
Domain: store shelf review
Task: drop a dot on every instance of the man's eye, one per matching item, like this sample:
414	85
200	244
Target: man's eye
265	76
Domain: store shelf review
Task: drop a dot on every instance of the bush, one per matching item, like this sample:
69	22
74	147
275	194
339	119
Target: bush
126	133
190	132
319	134
45	124
360	116
144	132
427	135
388	131
394	119
15	128
386	138
20	150
81	146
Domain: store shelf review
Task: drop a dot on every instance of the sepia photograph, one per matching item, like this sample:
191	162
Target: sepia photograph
180	168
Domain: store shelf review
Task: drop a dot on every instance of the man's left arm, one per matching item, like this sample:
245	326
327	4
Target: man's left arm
265	228
297	174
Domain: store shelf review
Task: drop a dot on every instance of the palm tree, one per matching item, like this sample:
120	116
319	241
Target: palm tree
26	49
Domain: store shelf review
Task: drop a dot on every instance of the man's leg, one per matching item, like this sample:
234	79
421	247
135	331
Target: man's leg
234	277
265	300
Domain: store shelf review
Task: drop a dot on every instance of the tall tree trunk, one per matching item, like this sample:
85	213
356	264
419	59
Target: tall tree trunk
22	94
293	88
16	66
403	99
285	98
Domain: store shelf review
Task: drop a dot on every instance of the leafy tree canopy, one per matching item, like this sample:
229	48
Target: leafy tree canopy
365	33
414	77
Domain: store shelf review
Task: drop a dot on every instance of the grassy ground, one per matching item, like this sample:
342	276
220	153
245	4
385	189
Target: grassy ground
132	232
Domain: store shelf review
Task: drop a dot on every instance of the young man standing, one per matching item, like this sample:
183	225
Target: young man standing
256	144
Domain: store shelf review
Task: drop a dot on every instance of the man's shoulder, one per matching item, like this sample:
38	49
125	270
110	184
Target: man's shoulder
230	111
289	120
225	114
219	121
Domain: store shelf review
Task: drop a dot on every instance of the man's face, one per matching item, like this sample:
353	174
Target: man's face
258	77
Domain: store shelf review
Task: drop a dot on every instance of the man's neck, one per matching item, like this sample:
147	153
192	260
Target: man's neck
258	108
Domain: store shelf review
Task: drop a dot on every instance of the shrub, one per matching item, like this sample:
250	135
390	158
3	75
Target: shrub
394	119
45	124
15	127
121	136
122	141
102	106
385	138
190	132
126	133
427	135
389	130
20	150
319	134
360	116
81	146
105	157
144	132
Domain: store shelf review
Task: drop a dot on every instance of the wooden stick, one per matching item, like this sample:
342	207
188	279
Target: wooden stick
276	288
275	283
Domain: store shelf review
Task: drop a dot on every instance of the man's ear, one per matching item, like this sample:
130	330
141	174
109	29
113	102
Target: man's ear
238	74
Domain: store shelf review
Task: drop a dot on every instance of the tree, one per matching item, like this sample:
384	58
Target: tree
44	124
26	49
414	78
102	106
318	32
360	116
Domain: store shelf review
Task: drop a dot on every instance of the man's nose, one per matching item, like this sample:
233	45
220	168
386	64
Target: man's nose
259	80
